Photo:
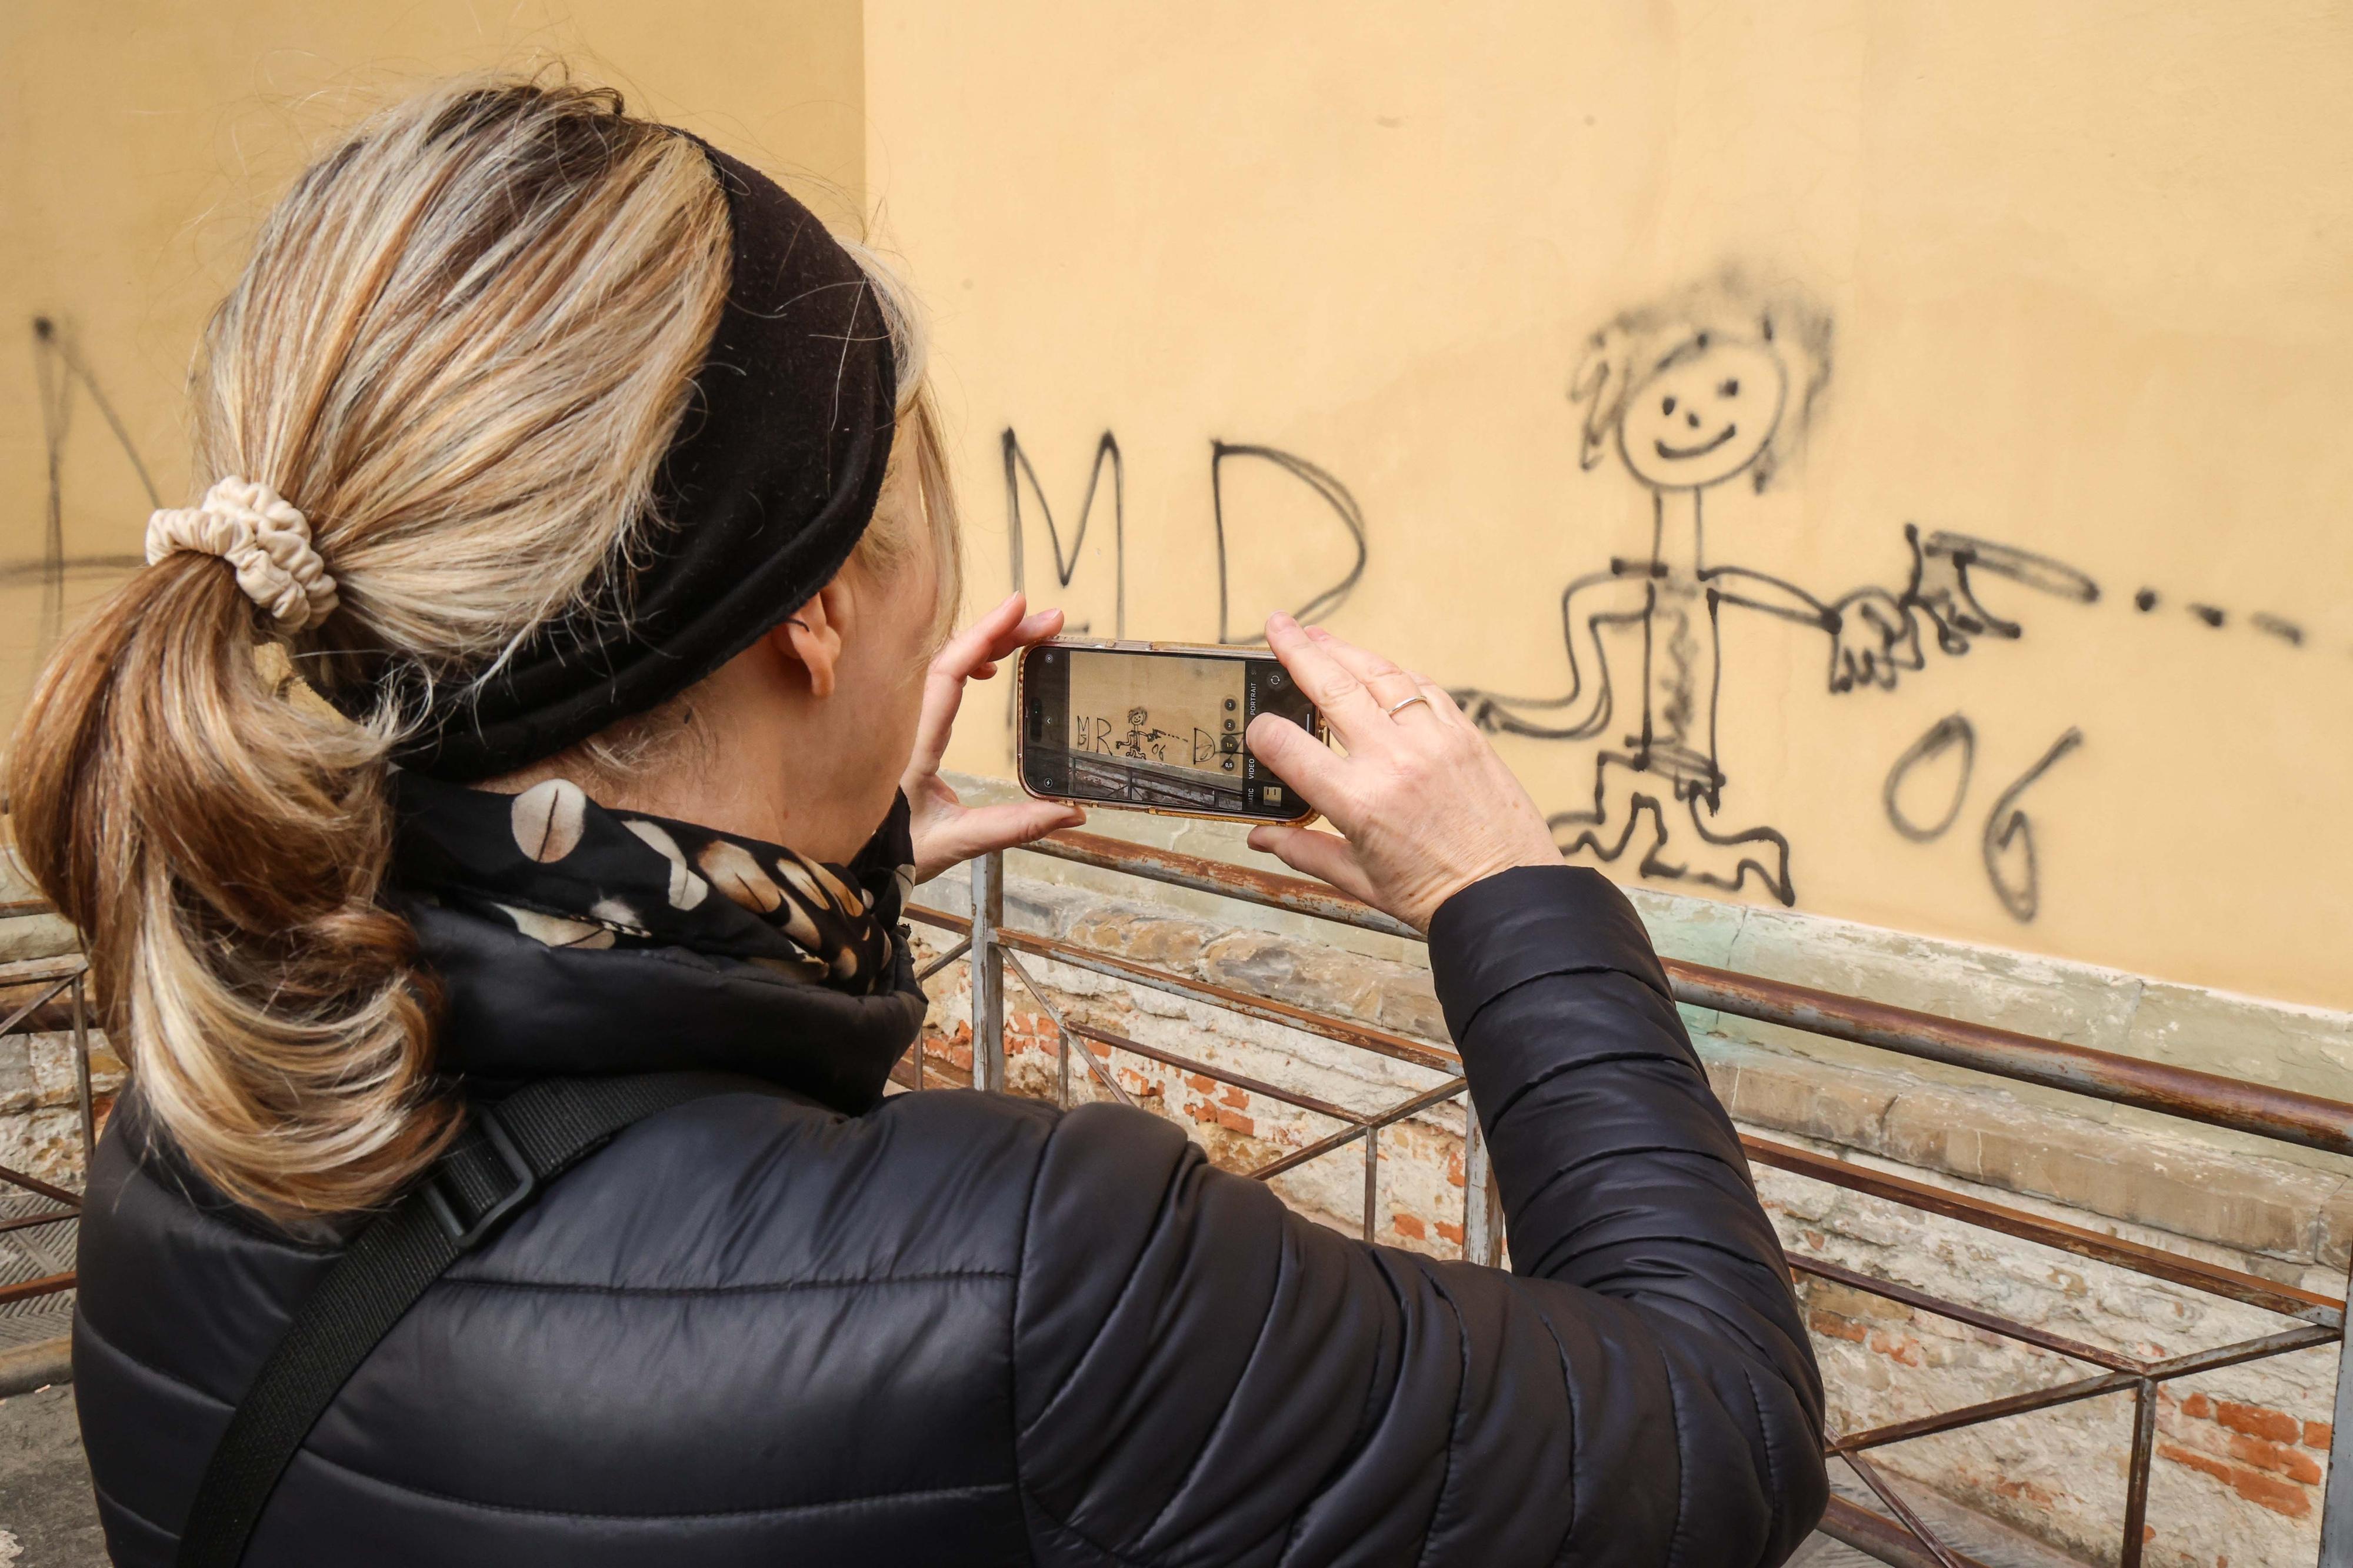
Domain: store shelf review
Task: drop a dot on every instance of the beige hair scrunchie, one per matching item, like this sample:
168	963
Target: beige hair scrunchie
260	533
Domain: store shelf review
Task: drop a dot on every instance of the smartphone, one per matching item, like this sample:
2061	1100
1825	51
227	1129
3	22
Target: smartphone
1154	727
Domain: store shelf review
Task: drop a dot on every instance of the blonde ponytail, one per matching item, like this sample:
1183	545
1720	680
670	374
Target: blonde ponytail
459	351
221	850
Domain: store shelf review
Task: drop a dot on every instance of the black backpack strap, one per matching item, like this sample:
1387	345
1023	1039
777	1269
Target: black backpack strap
497	1165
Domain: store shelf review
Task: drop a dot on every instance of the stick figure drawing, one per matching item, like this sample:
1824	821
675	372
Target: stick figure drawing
1143	741
1689	395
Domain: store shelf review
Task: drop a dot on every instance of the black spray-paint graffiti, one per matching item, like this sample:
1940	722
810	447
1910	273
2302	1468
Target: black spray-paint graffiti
1066	564
2214	617
1330	491
1952	735
2007	845
1941	589
1319	596
1689	395
1713	385
57	370
2019	886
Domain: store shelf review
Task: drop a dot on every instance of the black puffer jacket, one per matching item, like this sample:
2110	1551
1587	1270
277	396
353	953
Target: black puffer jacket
955	1328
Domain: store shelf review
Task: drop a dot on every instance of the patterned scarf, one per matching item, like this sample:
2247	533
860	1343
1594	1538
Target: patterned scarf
566	872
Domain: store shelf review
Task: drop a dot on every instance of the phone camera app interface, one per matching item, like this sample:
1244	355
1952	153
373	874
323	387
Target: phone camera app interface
1159	731
1149	728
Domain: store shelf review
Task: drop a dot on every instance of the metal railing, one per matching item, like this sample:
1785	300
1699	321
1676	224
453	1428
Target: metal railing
1906	1540
47	995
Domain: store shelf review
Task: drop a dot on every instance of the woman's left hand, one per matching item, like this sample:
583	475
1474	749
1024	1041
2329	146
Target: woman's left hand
946	831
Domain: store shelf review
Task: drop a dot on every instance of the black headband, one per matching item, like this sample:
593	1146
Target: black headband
767	485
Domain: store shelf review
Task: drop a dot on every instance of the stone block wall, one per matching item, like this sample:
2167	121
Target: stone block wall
2241	1452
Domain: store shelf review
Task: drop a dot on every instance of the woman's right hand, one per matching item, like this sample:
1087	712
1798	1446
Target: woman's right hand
1424	806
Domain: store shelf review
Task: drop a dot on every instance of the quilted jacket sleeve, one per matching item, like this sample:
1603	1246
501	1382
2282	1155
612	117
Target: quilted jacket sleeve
1200	1377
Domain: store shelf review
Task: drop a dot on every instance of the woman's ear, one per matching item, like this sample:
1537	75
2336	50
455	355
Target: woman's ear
813	636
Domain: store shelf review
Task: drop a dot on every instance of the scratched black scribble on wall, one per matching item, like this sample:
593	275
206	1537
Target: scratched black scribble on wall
61	377
1709	392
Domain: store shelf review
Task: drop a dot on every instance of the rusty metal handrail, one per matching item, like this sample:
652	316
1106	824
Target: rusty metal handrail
2157	1262
1904	1539
2284	1115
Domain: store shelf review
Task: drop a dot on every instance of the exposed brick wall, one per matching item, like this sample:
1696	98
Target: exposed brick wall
2268	1456
1422	1162
2248	1492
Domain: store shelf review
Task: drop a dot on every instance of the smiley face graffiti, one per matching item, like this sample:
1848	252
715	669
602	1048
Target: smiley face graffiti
1705	414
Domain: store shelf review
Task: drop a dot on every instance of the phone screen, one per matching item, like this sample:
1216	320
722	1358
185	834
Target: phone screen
1149	728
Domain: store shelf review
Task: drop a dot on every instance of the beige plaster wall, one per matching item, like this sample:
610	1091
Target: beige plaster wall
2085	275
141	138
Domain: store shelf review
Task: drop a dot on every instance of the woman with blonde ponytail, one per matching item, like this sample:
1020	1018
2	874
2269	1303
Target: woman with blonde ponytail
489	815
223	848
